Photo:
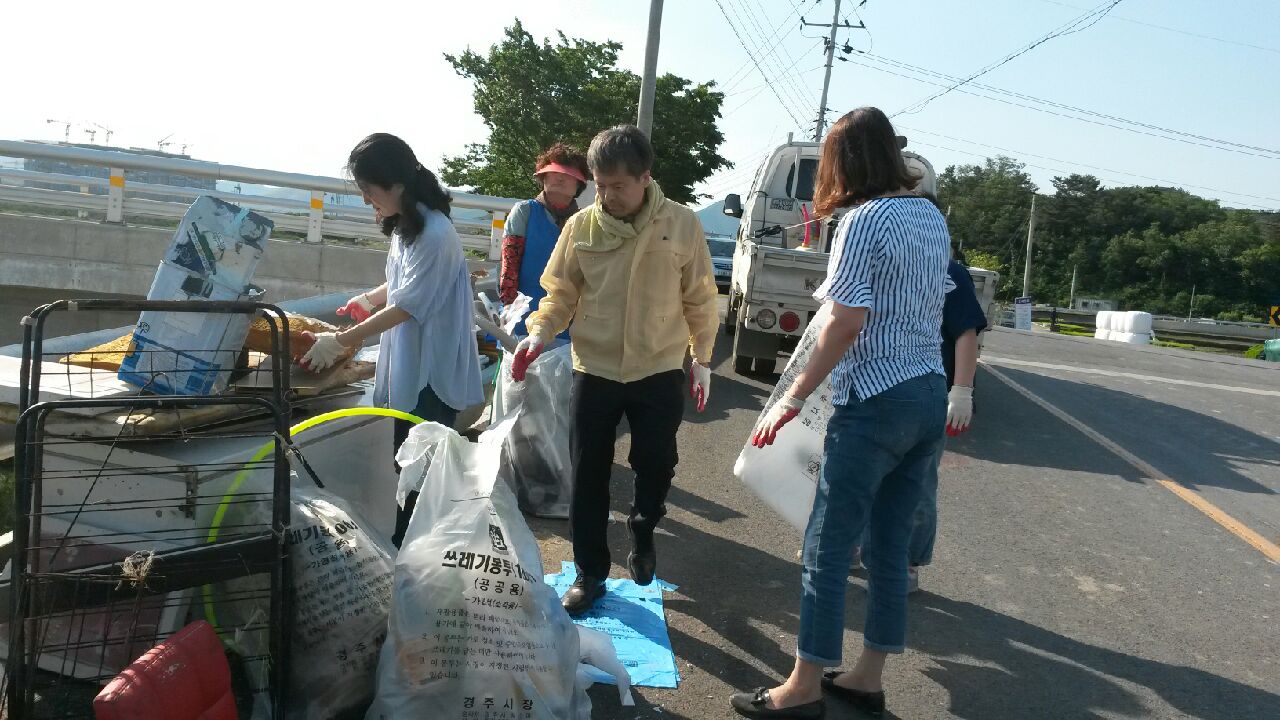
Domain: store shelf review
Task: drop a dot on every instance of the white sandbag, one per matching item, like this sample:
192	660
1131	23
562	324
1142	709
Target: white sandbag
536	453
1140	322
599	655
1103	320
342	572
785	474
473	632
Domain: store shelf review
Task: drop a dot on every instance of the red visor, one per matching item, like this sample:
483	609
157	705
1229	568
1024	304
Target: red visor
562	169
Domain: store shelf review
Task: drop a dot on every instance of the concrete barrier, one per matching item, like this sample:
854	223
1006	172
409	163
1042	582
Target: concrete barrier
85	258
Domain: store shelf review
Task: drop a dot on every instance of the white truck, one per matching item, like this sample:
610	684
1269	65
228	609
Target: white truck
782	251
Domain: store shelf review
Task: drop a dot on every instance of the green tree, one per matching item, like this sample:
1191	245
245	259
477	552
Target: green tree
533	94
989	206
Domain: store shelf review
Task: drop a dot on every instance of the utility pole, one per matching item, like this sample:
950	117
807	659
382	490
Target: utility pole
1191	310
648	83
831	54
1031	231
1072	300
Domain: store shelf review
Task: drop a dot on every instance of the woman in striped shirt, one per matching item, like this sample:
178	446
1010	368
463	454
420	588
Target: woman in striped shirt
886	283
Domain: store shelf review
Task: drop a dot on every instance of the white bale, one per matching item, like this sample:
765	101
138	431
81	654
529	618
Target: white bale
1101	334
1132	338
1103	319
1140	322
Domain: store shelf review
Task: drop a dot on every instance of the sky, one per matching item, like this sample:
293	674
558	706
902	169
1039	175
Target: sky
293	86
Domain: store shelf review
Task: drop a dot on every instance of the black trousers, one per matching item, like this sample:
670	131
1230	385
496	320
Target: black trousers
653	407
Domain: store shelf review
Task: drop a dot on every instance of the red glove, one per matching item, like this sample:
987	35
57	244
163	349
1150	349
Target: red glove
358	308
782	412
526	352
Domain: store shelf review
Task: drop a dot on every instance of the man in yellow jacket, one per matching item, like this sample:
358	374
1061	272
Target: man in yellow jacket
634	275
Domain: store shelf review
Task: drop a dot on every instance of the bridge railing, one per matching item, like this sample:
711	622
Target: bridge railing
332	211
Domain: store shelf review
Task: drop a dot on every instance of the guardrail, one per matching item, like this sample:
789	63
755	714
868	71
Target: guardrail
1180	325
119	199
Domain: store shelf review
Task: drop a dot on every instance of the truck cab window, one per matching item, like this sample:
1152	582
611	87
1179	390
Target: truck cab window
801	188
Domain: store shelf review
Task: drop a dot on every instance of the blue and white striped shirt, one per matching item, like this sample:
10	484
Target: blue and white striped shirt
890	256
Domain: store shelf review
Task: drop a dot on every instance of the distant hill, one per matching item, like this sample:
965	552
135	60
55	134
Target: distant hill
715	222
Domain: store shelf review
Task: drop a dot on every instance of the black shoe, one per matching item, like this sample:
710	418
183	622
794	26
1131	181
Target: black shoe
643	560
871	703
584	593
754	705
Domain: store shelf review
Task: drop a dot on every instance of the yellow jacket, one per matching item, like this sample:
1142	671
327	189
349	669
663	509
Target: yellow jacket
638	293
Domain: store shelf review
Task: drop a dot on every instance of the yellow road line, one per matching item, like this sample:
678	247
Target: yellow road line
1269	549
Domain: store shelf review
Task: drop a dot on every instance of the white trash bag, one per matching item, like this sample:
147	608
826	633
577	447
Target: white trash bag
536	453
342	573
785	474
474	632
599	656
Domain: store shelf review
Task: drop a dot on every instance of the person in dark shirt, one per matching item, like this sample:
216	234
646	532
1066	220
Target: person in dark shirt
962	321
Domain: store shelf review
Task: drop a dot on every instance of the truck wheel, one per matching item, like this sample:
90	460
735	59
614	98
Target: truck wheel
742	364
731	317
766	367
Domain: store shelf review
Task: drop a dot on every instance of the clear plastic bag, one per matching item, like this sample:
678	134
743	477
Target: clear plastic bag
536	453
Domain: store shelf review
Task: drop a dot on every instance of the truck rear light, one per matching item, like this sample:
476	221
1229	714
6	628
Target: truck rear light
766	318
789	322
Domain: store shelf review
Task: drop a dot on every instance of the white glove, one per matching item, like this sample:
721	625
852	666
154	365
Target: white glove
959	409
782	412
700	384
324	352
526	352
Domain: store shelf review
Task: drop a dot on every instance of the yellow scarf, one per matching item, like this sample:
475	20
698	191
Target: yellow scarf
603	232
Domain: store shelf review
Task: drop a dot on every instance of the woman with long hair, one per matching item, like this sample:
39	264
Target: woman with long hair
886	282
427	360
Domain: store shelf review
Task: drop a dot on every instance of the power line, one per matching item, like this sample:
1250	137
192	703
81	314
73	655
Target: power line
1134	130
789	85
789	88
1172	29
777	43
758	41
743	43
744	71
1164	181
1170	183
1064	106
1069	28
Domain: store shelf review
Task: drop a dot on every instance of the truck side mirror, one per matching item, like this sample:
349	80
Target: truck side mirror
733	206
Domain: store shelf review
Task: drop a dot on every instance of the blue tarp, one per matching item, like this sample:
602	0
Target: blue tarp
634	618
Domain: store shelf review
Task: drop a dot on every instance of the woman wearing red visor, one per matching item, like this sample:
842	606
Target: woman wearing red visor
534	225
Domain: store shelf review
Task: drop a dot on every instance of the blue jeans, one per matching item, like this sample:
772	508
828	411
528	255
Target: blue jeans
925	528
881	453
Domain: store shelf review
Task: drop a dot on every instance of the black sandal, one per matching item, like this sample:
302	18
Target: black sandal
871	703
753	705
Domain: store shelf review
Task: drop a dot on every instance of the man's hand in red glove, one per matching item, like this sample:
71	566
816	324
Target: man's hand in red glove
526	352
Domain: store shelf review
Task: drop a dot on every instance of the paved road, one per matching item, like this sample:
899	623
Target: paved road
1065	584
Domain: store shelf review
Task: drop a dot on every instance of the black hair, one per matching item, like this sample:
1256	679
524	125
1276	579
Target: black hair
385	160
623	147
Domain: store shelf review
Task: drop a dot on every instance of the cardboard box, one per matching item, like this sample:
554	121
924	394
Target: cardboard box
213	256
